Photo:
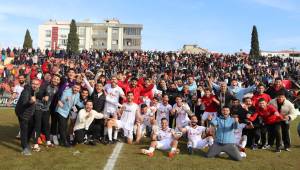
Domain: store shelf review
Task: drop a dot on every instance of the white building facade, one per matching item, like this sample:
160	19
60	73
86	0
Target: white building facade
110	35
282	54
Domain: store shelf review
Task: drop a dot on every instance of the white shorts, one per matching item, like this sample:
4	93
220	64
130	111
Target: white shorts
164	144
241	141
198	143
110	110
206	114
127	132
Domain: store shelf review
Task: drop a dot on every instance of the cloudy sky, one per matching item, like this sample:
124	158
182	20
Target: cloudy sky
219	25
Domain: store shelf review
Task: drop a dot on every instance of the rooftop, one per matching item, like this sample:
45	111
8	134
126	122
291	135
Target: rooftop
110	22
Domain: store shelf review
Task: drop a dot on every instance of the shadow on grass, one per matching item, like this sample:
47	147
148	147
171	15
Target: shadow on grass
8	139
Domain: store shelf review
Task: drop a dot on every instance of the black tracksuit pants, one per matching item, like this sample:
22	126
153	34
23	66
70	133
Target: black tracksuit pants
274	134
41	124
63	127
285	134
26	129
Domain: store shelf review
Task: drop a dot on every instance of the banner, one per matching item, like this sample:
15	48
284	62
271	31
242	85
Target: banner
4	102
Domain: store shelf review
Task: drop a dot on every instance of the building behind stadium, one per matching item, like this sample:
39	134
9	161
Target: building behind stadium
110	35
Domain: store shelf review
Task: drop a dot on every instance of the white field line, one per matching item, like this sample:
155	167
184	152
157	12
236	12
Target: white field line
113	157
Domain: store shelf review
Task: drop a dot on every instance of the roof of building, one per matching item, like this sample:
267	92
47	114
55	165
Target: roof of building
283	51
110	22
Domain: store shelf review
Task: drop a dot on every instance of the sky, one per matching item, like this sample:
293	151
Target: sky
217	25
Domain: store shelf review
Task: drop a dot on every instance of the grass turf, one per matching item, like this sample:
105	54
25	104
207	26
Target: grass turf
95	157
130	158
89	157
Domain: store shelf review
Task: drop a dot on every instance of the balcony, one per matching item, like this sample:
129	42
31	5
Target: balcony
132	36
99	35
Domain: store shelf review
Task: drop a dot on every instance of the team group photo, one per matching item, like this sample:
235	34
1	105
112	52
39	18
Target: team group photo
78	93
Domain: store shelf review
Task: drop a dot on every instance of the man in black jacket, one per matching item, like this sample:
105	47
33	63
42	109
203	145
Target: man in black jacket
277	88
44	98
224	96
172	93
98	97
254	133
25	109
237	109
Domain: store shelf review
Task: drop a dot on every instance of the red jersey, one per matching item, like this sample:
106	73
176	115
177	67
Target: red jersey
267	114
256	97
210	105
137	91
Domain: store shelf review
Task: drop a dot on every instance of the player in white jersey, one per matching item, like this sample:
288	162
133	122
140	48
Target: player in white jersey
113	95
181	110
145	121
128	113
195	135
164	139
17	90
163	110
240	139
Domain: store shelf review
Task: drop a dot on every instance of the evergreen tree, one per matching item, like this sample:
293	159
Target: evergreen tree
73	40
27	40
254	52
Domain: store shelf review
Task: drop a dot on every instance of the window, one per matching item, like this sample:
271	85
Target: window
115	30
62	42
132	42
81	42
114	42
47	44
63	36
100	32
81	31
132	31
48	33
63	32
99	43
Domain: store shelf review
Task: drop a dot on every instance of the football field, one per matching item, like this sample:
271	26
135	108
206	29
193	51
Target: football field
129	157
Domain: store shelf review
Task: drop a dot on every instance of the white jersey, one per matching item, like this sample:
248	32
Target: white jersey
165	134
163	111
112	99
113	94
182	118
238	132
195	133
129	115
146	117
18	90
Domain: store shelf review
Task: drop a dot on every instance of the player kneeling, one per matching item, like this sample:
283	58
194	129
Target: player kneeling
195	135
164	139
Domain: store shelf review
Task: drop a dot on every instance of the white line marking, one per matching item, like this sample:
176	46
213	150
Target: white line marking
113	157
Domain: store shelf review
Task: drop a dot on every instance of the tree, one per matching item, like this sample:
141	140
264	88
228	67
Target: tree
27	40
73	40
254	52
